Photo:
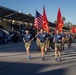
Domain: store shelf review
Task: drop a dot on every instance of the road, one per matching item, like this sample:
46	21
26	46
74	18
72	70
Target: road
13	61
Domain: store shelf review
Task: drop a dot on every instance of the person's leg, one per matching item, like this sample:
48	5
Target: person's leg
59	52
38	44
42	51
68	43
46	46
56	52
62	46
27	50
42	46
59	57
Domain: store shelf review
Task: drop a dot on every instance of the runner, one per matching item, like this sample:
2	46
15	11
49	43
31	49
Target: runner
63	39
47	41
58	46
27	40
69	39
42	39
52	44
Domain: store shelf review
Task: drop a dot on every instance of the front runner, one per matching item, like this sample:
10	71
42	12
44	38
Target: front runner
42	39
27	40
58	46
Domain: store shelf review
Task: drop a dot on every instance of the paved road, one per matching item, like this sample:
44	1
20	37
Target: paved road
13	61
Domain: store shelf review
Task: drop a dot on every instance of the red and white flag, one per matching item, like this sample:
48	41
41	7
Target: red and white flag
38	21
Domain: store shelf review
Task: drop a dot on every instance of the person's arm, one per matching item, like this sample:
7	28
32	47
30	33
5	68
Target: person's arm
31	39
61	38
71	35
54	39
24	39
38	39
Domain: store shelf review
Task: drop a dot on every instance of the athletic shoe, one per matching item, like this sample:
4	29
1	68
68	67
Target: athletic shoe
43	59
59	59
29	57
46	52
56	59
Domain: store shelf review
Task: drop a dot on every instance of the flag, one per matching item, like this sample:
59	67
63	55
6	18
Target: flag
45	21
73	29
38	20
60	22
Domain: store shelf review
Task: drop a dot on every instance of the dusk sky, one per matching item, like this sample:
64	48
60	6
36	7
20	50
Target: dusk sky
67	7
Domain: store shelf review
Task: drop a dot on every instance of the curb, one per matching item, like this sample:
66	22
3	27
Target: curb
10	45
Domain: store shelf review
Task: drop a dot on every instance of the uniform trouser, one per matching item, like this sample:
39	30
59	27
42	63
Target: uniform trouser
62	45
58	49
52	45
47	43
69	43
42	47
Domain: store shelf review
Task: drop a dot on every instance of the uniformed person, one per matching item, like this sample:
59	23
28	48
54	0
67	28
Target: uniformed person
47	43
42	39
52	44
69	39
58	45
27	40
63	39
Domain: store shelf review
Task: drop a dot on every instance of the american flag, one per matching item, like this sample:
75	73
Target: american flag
38	20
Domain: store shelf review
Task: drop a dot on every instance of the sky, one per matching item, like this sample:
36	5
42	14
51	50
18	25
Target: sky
67	7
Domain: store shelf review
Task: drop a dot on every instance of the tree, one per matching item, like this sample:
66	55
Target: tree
55	22
63	18
68	24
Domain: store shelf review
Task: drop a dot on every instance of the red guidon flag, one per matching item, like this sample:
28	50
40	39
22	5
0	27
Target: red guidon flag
60	22
73	29
45	21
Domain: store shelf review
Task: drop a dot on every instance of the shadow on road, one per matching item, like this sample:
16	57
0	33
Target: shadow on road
27	69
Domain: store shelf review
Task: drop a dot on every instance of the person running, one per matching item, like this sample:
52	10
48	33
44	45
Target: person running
27	40
69	39
47	44
58	46
63	39
51	41
42	39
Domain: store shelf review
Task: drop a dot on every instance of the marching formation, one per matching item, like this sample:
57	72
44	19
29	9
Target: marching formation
47	41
